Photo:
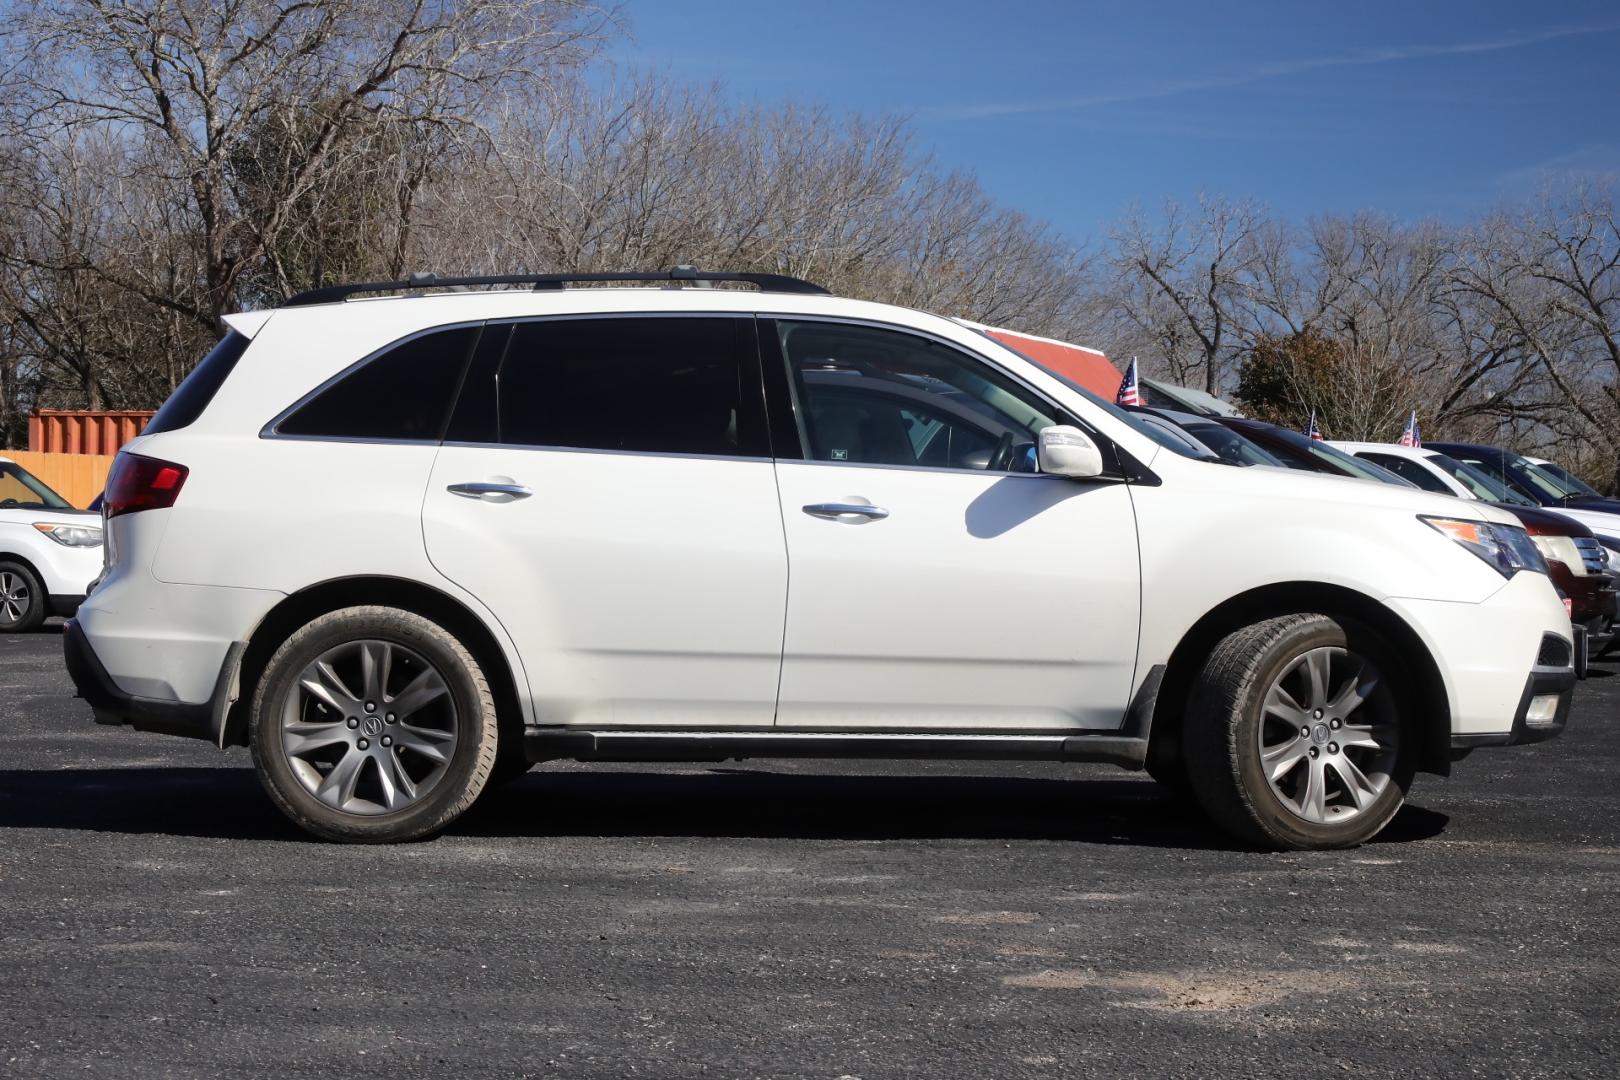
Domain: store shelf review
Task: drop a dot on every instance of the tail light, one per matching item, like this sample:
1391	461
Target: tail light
142	483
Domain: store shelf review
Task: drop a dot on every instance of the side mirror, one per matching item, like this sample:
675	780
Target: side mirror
1068	451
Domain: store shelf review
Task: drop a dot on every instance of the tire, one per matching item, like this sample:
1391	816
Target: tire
401	769
1290	689
22	598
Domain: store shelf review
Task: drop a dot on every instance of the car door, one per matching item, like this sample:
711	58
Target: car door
937	582
606	489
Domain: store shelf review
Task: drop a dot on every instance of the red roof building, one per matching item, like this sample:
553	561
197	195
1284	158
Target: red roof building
1088	367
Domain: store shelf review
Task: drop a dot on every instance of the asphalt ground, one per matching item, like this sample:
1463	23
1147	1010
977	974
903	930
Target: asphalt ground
809	919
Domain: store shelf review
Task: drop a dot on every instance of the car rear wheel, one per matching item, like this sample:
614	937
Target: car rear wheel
373	724
1294	736
22	598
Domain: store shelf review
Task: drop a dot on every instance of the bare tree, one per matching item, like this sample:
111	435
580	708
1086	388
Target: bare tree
187	85
1548	281
1186	287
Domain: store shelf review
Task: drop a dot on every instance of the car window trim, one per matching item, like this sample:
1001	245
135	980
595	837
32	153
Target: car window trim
272	429
750	388
1113	465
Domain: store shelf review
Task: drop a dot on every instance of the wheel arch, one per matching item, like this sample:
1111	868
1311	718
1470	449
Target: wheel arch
1421	672
33	568
297	609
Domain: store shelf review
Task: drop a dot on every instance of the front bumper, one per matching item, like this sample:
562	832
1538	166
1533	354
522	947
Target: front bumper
112	705
1485	652
1543	683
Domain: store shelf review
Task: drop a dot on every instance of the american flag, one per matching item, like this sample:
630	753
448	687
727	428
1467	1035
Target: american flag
1130	392
1311	429
1412	436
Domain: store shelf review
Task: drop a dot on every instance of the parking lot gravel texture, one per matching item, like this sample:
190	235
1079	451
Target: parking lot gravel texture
806	919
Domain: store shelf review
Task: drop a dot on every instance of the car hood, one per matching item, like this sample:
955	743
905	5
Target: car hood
1546	519
19	516
1285	485
1604	523
1597	506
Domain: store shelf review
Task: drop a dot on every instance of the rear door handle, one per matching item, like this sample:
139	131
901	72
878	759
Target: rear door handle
840	511
479	489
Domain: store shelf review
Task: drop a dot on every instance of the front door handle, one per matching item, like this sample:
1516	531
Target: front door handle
478	489
844	511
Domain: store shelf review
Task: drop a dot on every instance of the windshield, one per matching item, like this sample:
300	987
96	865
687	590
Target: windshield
1482	484
1574	487
1231	446
1176	438
1338	460
22	490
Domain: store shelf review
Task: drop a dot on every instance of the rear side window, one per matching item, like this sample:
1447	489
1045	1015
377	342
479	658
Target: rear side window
646	384
194	393
1407	469
402	393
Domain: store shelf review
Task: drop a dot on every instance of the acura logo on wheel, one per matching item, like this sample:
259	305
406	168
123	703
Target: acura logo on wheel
372	726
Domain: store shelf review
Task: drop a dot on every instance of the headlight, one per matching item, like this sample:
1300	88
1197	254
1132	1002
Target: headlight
1507	548
1561	549
1614	551
79	536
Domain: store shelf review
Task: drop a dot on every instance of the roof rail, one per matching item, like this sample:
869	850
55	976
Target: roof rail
327	294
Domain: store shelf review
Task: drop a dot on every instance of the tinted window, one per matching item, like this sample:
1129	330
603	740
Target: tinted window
401	393
882	397
652	385
1407	469
1572	484
1483	485
194	393
1230	446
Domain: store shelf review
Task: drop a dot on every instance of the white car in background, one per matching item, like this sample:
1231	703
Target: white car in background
49	552
1607	526
1434	471
403	547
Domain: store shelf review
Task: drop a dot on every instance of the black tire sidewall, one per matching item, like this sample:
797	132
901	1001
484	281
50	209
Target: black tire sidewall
37	600
475	727
1274	817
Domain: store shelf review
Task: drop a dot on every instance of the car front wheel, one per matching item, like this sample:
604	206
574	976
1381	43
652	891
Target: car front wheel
1294	738
373	724
22	599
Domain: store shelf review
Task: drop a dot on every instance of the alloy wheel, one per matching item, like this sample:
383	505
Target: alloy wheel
15	598
1328	736
370	727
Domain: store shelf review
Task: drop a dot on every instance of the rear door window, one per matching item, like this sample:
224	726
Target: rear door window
643	384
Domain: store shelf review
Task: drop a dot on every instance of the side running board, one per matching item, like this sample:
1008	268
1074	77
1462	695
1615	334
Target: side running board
548	744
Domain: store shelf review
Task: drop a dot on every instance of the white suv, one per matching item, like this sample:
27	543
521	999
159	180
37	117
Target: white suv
403	546
49	552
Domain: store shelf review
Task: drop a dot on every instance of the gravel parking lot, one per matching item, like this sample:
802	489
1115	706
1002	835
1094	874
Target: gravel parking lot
806	919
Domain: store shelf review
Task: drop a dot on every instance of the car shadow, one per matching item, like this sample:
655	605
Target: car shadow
228	803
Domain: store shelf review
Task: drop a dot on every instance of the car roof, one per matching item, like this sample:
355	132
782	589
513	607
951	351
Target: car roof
1179	416
1393	449
1474	448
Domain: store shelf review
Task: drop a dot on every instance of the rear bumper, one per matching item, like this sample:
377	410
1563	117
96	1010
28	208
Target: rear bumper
113	705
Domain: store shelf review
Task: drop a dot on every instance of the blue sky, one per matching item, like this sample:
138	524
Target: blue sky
1074	111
